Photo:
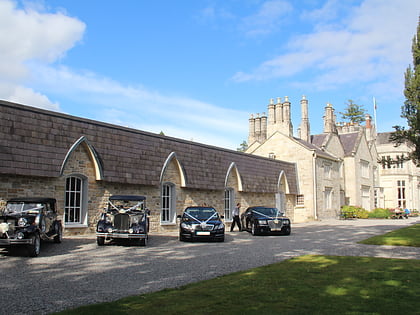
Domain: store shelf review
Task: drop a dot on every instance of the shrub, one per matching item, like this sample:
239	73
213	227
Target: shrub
351	212
380	213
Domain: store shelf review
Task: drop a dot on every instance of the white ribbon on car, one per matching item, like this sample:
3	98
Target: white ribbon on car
124	210
202	223
267	216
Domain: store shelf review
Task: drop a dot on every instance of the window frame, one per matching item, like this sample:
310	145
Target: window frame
75	204
167	203
229	203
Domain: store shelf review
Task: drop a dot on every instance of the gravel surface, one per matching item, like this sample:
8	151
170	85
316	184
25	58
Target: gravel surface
78	272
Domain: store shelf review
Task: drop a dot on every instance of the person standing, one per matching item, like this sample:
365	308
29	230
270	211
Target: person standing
236	219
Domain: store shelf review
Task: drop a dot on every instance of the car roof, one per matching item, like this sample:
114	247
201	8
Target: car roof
127	197
33	200
199	208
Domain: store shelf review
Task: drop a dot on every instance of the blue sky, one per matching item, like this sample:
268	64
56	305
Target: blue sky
197	69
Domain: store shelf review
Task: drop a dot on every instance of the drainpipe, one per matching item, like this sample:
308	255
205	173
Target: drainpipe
314	184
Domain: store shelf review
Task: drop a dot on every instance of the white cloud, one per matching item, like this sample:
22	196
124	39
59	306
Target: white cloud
371	42
267	19
28	35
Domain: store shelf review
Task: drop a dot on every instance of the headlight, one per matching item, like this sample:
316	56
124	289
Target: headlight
20	235
108	219
286	221
110	230
262	222
187	226
135	220
22	222
219	227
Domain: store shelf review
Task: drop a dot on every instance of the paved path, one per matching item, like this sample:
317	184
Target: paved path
78	272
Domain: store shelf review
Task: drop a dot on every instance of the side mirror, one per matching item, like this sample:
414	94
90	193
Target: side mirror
179	216
222	216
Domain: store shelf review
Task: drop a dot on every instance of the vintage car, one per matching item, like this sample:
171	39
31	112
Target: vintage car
264	220
201	223
124	218
27	221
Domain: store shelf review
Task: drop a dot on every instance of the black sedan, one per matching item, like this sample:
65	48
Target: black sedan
201	223
264	220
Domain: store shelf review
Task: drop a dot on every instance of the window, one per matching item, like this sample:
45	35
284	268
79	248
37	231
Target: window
365	168
401	193
327	170
73	207
399	163
229	203
328	197
300	201
168	203
365	197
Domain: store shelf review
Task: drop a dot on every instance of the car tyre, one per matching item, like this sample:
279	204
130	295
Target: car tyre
59	230
287	231
143	241
100	241
35	247
254	229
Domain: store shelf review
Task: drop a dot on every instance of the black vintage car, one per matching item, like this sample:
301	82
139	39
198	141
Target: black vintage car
27	221
201	223
124	218
264	220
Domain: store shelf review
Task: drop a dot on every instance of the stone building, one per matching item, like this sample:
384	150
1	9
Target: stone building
399	177
82	162
335	168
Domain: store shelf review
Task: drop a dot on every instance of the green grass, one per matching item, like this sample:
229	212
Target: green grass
303	285
408	236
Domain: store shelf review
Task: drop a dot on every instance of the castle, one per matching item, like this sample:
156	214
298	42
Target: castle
348	164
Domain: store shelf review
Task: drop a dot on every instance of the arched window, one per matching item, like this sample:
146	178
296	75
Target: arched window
168	199
74	201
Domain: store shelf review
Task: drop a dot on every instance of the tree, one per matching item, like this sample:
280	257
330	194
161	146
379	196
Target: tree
411	108
353	113
242	147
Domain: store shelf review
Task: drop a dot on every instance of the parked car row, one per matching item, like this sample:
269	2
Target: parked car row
27	221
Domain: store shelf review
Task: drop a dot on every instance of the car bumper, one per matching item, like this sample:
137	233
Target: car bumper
203	234
267	229
12	241
121	235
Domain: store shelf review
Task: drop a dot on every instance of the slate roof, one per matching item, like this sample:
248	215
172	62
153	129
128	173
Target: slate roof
34	142
315	148
350	142
383	138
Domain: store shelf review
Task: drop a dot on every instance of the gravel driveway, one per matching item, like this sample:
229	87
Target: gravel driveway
78	272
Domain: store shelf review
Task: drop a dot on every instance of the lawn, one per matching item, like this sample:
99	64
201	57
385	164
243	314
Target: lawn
408	236
303	285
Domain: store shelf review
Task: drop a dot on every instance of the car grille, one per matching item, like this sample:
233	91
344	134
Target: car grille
207	227
122	221
275	226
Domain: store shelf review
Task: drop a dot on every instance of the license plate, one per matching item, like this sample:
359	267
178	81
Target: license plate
202	233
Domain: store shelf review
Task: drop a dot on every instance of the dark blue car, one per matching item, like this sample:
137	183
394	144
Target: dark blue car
201	223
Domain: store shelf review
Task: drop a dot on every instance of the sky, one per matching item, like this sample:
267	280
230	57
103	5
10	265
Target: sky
197	69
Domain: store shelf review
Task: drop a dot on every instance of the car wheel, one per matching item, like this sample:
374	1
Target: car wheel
143	241
181	238
254	229
100	241
59	231
35	247
287	231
